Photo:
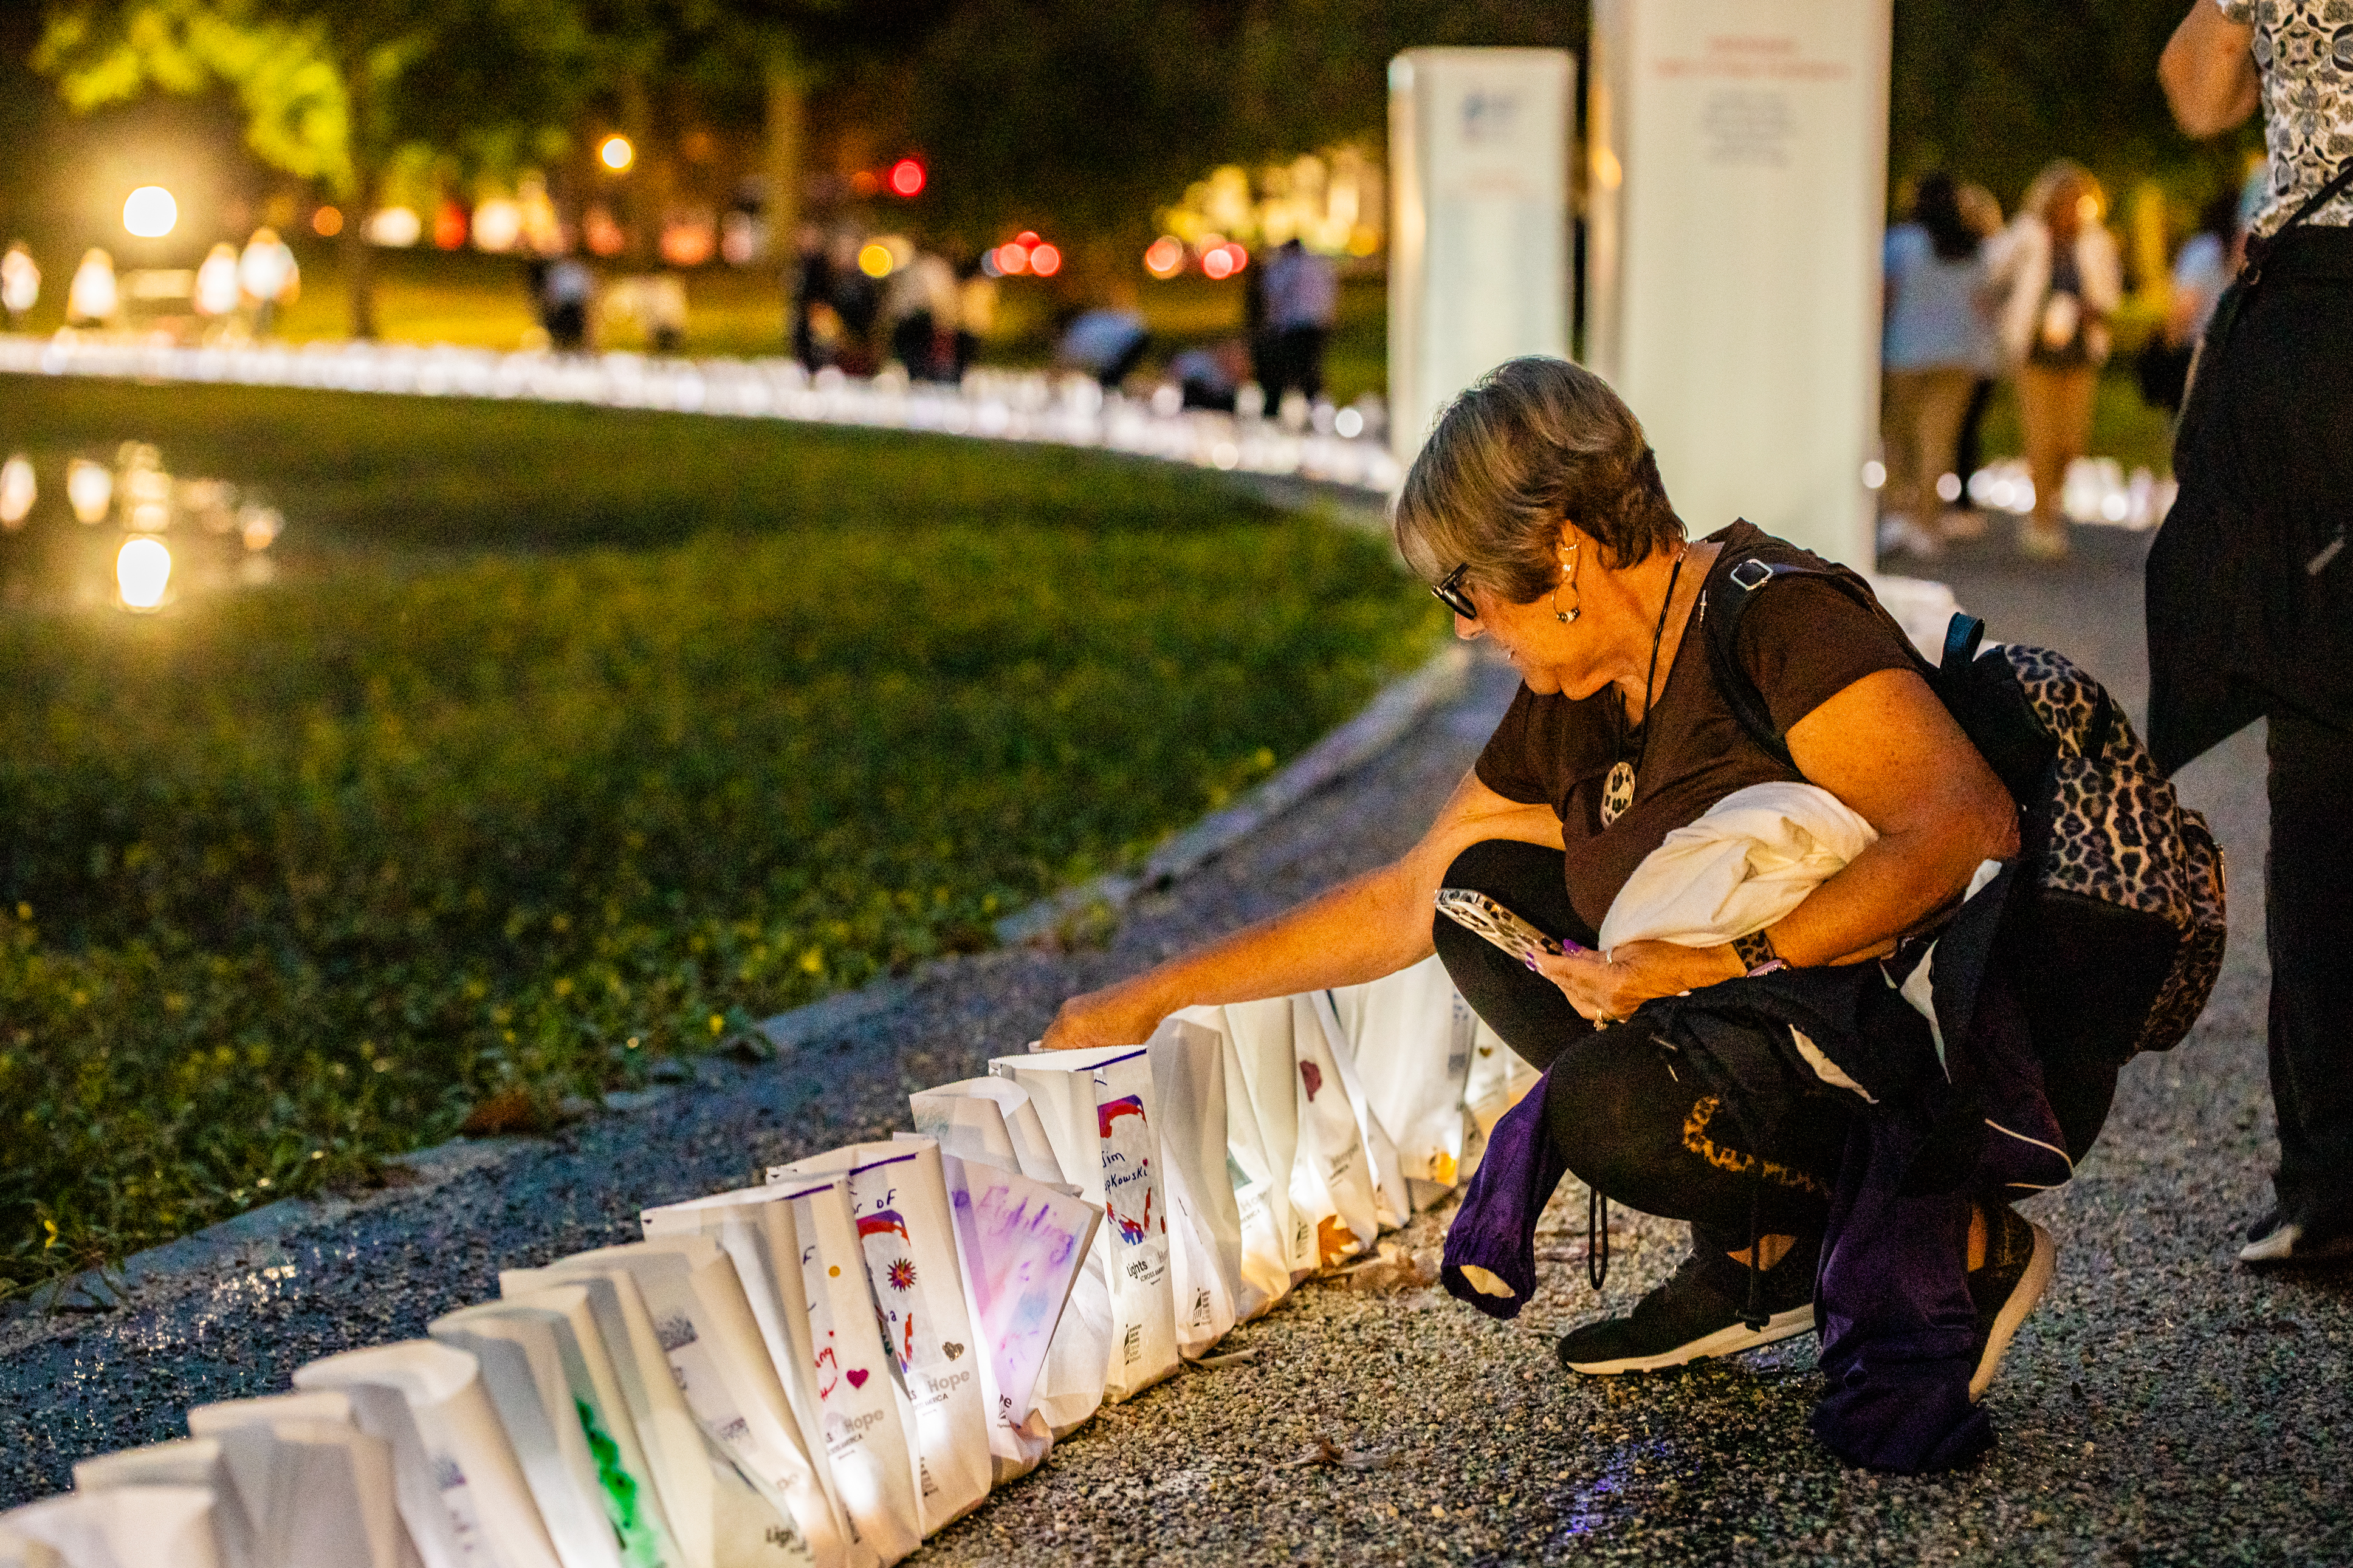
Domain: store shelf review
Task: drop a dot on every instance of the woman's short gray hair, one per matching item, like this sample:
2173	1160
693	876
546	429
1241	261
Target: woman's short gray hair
1532	443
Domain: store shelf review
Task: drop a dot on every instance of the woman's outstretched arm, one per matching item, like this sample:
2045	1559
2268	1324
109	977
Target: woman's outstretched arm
1367	927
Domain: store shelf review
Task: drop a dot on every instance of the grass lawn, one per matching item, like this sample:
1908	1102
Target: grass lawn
568	741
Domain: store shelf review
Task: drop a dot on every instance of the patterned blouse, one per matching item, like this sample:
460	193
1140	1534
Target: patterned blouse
2304	50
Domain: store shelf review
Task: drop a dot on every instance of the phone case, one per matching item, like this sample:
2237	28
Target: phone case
1478	912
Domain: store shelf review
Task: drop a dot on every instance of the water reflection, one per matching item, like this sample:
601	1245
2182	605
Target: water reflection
173	537
19	491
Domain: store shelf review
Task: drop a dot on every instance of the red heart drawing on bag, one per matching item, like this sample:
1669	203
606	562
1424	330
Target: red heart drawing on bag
857	1377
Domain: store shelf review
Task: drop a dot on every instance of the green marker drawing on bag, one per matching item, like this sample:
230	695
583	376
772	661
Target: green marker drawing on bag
641	1544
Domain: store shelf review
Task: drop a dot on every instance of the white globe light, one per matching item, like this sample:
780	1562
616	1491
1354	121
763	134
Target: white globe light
498	223
150	212
90	490
141	571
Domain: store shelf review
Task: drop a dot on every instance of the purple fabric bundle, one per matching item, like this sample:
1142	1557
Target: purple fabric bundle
1495	1230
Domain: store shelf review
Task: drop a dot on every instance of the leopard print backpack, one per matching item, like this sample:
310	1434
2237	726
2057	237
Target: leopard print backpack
2117	949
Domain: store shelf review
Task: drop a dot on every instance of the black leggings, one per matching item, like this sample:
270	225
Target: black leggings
1615	1107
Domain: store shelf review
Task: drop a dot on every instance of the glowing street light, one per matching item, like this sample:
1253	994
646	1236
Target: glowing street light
616	153
875	259
141	571
150	212
907	177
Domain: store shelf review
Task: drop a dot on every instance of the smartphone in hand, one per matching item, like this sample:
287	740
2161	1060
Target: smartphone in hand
1476	911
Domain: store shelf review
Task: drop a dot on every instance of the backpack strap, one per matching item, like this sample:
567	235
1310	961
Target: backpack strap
1721	621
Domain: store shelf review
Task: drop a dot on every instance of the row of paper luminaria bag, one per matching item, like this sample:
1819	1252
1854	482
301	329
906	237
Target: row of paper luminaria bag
1057	1234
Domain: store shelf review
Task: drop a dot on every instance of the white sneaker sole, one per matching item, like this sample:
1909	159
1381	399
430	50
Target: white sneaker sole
1729	1341
2029	1291
2284	1244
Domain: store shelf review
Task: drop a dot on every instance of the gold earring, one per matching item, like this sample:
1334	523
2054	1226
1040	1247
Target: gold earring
1568	576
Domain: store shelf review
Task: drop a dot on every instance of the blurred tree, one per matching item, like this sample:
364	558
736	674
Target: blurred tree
1993	89
331	93
1039	114
1312	73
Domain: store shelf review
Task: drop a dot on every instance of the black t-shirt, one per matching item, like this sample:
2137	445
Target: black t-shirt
1802	642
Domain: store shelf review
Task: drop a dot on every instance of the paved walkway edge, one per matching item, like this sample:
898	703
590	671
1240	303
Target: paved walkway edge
232	1242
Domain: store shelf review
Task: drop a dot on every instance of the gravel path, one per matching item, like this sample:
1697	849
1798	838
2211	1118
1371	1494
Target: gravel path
2162	1405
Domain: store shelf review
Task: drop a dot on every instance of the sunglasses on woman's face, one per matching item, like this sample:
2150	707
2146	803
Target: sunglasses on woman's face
1449	590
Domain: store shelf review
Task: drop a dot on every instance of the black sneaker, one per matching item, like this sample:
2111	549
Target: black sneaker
2276	1241
1698	1313
2019	1260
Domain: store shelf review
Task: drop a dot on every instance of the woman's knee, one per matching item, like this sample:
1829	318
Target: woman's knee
1608	1112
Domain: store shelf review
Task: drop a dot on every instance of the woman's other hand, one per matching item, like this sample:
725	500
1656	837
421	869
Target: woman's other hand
1112	1016
1634	972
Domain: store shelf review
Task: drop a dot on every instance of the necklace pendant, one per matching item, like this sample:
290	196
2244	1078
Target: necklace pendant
1616	791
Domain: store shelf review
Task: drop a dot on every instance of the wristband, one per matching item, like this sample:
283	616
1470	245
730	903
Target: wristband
1755	952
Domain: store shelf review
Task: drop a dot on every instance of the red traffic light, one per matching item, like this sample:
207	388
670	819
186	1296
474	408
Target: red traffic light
906	177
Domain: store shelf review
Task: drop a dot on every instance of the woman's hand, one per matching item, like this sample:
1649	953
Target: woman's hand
1608	990
1112	1016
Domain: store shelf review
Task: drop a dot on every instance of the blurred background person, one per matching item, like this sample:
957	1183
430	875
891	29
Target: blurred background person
810	288
566	292
1302	300
2202	269
2065	281
1938	339
976	311
1211	376
857	304
2251	579
269	278
1108	341
217	294
921	305
1962	519
92	299
20	284
661	307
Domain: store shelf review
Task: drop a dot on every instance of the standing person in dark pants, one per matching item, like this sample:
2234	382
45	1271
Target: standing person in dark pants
2251	583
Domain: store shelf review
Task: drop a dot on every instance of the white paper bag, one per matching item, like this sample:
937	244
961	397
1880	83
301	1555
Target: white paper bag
712	1345
1261	1033
317	1492
1261	1204
188	1462
1391	1204
1205	1255
124	1527
1411	1033
988	1118
599	1505
899	1197
1022	1246
456	1477
1070	1389
1097	1110
755	1226
867	1440
718	1516
1331	1150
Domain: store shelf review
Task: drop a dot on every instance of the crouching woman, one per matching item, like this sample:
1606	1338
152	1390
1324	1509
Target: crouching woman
1786	1093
